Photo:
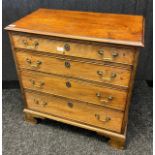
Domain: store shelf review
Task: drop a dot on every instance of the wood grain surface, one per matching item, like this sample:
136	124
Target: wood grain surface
71	68
16	9
110	53
76	89
110	28
76	111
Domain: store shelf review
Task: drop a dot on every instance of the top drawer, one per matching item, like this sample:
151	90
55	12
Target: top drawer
91	51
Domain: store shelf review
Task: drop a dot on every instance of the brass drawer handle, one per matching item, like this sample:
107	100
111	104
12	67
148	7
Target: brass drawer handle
40	84
100	73
25	42
67	64
35	64
108	59
104	99
30	43
101	52
113	55
43	103
112	76
106	119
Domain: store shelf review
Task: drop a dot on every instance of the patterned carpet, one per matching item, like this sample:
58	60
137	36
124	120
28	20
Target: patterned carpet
54	138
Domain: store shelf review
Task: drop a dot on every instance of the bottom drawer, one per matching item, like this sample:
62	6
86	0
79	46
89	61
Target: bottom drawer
74	110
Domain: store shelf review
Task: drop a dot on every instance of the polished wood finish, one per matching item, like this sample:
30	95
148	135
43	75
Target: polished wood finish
114	136
76	111
67	67
80	90
101	27
120	54
79	70
17	68
130	90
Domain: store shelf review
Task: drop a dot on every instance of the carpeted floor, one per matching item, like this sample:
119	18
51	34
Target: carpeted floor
54	138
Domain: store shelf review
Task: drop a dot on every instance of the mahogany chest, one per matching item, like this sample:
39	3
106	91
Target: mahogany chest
78	67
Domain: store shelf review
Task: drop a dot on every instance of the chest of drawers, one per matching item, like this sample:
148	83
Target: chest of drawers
78	68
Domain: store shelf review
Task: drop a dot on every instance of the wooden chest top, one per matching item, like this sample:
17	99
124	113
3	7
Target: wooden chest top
100	27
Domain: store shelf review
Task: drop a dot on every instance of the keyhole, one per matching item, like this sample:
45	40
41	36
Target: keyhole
70	104
67	64
68	84
67	47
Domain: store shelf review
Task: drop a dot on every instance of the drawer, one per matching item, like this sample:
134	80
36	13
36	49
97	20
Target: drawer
77	111
74	89
82	70
116	54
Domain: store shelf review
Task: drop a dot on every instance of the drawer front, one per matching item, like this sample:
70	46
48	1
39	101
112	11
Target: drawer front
77	111
74	89
98	52
82	70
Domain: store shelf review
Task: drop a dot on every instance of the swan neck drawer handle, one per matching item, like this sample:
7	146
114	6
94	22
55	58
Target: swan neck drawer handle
113	55
40	84
112	76
30	43
101	52
43	103
35	64
105	99
106	119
